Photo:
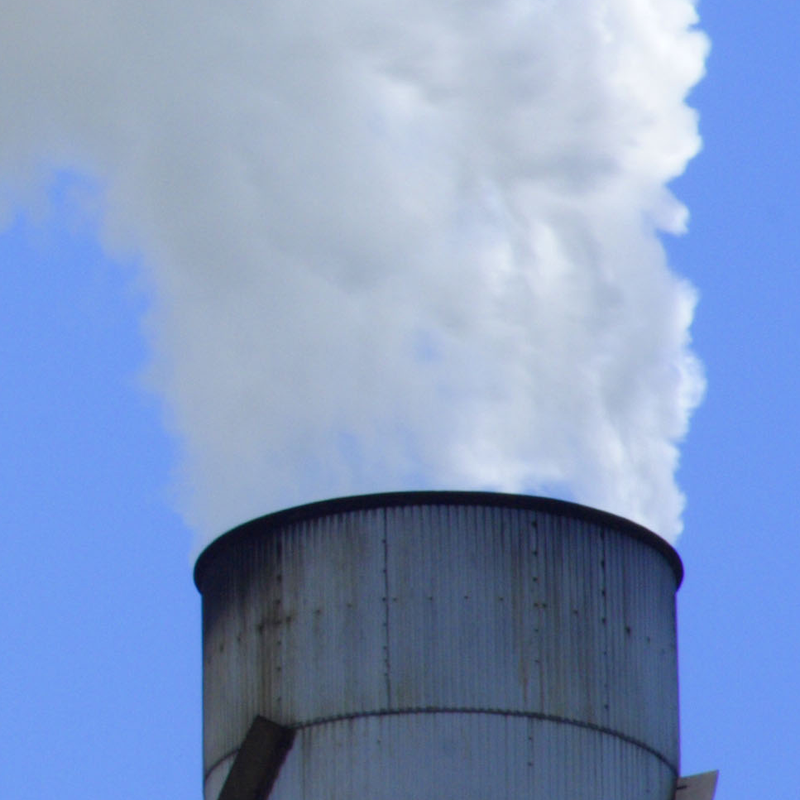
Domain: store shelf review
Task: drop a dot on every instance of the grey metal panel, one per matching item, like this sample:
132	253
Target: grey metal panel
642	644
293	627
572	620
543	611
325	650
508	609
469	756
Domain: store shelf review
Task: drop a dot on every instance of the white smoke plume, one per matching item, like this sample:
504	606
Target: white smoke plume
391	244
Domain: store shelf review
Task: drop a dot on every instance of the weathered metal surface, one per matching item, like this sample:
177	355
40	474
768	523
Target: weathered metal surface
466	756
697	787
517	646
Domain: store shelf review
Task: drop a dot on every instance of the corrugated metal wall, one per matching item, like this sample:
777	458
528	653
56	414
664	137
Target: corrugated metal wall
449	644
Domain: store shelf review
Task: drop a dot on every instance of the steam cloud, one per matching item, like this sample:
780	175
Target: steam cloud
391	244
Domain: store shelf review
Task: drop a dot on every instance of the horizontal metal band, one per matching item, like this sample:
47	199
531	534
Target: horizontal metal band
394	712
565	509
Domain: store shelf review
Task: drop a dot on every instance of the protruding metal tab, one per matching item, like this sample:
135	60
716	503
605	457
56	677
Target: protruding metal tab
258	762
697	787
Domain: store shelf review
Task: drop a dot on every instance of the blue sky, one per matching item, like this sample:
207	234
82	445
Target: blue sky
100	668
740	604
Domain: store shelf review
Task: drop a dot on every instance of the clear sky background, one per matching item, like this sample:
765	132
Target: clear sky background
100	630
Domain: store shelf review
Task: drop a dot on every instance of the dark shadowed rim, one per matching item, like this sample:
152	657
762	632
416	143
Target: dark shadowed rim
261	526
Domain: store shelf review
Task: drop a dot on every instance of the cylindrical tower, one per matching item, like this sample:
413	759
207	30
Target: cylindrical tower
428	645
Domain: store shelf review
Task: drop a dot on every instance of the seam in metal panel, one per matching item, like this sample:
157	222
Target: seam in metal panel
396	712
606	660
387	664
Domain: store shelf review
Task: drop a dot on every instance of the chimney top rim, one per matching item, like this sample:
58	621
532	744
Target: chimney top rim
338	505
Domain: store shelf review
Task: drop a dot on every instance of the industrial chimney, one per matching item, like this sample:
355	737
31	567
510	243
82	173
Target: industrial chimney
435	645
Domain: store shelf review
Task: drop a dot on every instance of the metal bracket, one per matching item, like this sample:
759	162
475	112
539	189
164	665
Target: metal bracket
697	787
258	761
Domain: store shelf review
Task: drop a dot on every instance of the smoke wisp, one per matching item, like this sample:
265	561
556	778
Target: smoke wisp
390	245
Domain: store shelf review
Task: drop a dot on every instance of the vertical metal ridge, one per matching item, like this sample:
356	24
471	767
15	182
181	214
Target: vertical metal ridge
387	662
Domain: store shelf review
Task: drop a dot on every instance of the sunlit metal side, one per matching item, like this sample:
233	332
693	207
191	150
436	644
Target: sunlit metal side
498	645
